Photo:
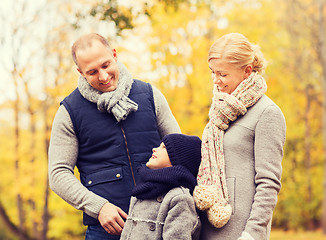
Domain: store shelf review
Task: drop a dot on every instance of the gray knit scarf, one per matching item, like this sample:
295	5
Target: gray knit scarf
115	102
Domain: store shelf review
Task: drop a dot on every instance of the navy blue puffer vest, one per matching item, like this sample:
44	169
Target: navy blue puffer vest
110	152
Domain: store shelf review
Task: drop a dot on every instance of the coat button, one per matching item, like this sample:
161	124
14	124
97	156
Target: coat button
159	199
118	175
89	182
152	227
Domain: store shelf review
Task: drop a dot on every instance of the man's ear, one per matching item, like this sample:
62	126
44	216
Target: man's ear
80	71
114	54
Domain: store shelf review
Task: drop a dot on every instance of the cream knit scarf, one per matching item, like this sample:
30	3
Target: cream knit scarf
211	193
116	102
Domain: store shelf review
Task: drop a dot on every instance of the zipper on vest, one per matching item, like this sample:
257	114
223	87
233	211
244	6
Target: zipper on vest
132	171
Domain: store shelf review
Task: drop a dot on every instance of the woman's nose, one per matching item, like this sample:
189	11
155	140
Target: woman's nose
216	79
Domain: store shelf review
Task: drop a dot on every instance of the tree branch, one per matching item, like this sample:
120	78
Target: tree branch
11	226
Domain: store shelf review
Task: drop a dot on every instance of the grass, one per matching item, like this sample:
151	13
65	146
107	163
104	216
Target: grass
291	235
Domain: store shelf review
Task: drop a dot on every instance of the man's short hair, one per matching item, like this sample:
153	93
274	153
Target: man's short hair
87	41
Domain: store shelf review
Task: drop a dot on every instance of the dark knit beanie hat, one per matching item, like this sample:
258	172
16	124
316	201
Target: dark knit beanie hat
184	150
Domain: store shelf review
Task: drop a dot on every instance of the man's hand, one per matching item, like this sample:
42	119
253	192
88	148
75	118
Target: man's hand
112	218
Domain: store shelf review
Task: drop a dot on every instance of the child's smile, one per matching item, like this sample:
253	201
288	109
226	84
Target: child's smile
159	159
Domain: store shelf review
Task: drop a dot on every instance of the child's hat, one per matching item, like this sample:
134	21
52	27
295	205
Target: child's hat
184	150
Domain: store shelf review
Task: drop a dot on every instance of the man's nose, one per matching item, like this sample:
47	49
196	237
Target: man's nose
103	75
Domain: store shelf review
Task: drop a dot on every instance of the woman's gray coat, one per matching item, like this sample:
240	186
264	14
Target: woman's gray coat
253	150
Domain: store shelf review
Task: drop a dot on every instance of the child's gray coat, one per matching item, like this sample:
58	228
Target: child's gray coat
172	216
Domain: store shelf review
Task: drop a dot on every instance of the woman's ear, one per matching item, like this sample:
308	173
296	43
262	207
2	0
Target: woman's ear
248	71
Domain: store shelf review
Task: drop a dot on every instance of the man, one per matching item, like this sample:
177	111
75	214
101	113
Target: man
106	127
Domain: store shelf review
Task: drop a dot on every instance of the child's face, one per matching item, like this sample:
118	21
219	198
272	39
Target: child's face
159	159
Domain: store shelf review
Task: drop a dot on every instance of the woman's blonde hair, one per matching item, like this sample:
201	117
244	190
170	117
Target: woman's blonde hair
235	49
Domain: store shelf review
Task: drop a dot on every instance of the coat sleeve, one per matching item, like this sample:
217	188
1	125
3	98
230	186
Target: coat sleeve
166	122
63	151
182	221
269	141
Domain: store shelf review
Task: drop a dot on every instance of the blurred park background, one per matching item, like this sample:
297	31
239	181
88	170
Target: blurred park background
164	42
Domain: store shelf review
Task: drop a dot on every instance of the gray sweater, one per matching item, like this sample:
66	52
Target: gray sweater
171	217
253	150
63	152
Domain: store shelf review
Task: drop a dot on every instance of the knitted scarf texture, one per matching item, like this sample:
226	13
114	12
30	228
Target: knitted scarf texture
156	182
115	102
211	193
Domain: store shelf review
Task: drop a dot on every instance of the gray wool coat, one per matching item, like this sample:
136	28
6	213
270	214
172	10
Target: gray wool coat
253	150
169	217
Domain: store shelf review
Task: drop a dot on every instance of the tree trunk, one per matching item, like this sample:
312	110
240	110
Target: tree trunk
19	200
32	153
307	160
47	129
46	215
322	56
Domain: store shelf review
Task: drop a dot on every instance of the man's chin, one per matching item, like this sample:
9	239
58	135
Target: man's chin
108	89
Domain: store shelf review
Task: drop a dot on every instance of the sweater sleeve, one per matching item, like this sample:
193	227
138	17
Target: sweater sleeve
63	151
182	221
166	122
269	141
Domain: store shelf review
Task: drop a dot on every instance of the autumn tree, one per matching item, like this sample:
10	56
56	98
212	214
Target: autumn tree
16	66
171	40
304	145
321	50
38	57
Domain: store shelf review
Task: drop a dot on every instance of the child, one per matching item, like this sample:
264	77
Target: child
162	206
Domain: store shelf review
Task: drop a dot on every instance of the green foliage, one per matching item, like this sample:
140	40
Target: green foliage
110	11
123	15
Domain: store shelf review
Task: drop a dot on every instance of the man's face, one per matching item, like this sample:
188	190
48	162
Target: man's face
98	64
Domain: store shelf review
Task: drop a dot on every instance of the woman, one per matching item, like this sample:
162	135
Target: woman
242	146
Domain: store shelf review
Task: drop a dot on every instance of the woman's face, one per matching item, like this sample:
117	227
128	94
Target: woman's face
227	76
